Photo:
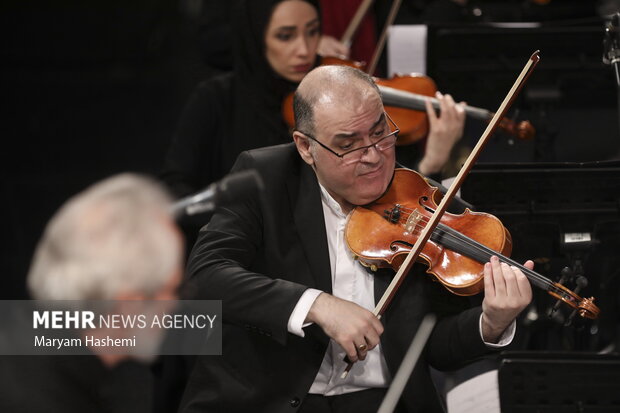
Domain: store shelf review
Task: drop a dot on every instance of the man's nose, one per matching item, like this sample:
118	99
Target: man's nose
371	154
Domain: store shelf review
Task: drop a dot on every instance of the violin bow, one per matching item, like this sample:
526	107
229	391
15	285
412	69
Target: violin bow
347	37
447	198
381	43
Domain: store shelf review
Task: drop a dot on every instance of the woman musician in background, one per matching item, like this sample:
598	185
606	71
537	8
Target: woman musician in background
275	43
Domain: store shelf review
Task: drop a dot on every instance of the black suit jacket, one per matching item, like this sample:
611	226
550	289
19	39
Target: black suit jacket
258	257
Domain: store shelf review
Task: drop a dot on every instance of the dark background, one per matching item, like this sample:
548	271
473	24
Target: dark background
89	89
94	88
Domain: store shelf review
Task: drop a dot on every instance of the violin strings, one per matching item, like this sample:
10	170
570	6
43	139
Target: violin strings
475	246
535	277
459	239
478	247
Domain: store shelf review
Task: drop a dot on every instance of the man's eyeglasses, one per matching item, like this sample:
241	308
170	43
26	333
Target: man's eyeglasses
355	155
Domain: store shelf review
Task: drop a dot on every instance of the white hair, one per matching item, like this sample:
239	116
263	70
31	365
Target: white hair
117	236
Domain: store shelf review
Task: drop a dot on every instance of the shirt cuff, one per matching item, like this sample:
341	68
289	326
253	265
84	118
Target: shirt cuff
504	339
300	312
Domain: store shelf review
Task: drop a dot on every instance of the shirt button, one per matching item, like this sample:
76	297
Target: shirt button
294	402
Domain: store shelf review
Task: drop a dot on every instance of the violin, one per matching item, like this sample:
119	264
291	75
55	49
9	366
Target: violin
404	98
381	234
406	93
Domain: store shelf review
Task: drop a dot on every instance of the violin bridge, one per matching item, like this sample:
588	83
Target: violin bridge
412	222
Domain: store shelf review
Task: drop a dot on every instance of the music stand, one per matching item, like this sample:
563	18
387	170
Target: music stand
555	210
574	199
569	98
578	196
555	382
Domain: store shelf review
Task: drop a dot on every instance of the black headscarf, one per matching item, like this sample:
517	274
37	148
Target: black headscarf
258	89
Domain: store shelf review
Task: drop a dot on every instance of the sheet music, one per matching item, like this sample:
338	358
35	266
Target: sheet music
478	394
407	49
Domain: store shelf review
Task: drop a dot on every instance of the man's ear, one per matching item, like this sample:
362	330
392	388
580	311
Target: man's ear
303	147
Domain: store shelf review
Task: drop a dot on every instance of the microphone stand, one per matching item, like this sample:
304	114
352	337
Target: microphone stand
406	367
611	53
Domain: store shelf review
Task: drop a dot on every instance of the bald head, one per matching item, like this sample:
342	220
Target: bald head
329	85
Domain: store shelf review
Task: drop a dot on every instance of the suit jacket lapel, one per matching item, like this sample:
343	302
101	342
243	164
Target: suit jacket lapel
305	197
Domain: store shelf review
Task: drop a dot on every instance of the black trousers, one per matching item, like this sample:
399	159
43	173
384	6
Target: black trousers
364	401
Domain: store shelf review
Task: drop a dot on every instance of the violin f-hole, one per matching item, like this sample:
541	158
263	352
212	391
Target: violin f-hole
400	245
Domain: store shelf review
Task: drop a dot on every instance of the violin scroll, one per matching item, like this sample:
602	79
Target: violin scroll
585	307
523	130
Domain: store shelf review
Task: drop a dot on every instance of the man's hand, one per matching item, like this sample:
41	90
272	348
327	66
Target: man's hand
347	323
445	130
507	292
330	46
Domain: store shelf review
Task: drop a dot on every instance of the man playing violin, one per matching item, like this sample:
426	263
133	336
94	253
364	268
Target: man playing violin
294	300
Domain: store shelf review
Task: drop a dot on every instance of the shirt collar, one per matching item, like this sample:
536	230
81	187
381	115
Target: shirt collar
331	203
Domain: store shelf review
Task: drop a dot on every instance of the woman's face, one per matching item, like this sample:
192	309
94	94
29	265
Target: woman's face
292	38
